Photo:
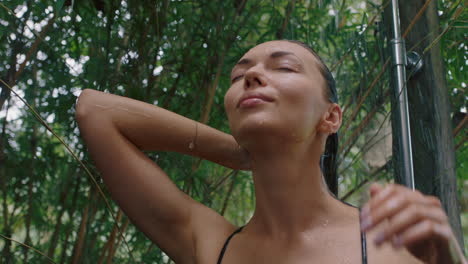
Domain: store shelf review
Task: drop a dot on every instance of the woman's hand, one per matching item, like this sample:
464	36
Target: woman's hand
414	221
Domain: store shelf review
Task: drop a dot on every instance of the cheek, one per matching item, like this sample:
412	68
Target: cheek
229	99
301	104
298	94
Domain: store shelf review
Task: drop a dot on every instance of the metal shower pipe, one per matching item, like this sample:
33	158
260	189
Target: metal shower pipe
399	72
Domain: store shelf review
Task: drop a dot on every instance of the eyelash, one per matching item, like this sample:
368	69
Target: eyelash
285	69
236	78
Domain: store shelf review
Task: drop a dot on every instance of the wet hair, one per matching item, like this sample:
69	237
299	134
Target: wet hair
328	159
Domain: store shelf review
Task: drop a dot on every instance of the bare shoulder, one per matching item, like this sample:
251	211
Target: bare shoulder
211	231
385	253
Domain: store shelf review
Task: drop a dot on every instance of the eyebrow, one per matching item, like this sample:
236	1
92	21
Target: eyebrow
281	54
273	55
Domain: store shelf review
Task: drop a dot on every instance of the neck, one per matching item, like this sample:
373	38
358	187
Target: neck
291	194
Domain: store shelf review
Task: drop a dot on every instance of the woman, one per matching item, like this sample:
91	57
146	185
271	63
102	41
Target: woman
280	117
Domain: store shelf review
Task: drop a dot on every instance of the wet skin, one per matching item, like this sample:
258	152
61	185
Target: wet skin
280	118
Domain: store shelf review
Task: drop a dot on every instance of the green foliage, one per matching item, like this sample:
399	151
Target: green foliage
169	53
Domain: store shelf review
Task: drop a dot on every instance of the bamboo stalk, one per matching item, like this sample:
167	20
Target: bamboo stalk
228	195
416	18
6	251
363	98
462	141
33	143
119	239
58	219
112	238
348	143
289	10
460	126
34	47
78	248
71	212
373	176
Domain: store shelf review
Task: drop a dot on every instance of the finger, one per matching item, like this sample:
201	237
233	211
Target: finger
386	210
434	200
375	188
379	197
410	217
385	194
423	231
394	204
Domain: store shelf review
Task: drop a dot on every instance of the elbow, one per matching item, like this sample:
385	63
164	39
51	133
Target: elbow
82	109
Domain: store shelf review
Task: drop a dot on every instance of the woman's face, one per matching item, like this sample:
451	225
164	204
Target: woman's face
276	89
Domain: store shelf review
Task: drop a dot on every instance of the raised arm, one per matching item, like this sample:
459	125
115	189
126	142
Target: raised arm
116	129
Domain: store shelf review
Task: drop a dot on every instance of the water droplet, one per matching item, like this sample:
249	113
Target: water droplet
325	223
345	261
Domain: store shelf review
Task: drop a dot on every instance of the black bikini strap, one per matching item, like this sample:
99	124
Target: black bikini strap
221	255
363	236
363	248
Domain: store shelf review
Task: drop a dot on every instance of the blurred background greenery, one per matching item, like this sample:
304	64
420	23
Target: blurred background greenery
178	55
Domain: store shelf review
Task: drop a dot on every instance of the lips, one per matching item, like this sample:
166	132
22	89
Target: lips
251	99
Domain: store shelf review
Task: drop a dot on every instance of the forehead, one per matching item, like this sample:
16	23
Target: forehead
264	50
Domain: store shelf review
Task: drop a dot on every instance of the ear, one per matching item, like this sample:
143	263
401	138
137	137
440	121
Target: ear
331	120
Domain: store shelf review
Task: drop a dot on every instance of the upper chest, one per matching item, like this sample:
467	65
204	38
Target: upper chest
343	247
325	254
321	247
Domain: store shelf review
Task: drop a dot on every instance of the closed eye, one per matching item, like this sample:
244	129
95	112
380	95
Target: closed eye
236	78
285	69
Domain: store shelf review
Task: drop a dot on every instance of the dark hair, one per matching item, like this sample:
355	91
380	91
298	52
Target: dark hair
328	159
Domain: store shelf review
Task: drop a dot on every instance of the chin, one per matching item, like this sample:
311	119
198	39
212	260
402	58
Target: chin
264	131
253	129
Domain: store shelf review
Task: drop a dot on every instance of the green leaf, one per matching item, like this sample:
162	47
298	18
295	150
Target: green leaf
58	6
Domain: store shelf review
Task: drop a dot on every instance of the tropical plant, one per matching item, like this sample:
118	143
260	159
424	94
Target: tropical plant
178	55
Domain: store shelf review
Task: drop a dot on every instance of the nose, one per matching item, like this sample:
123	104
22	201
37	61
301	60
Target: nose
254	78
